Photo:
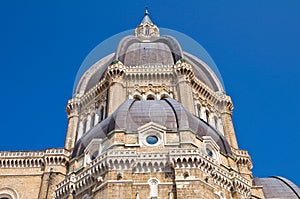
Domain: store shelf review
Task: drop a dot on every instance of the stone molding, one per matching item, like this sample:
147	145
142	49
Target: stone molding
243	158
7	192
118	69
145	162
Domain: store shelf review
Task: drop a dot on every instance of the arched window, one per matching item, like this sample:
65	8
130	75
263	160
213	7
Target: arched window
92	120
207	116
137	195
153	183
84	126
164	95
211	148
101	115
137	97
8	193
199	110
209	152
94	155
147	31
215	122
150	97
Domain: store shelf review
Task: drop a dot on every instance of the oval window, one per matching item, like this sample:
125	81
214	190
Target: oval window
209	152
152	139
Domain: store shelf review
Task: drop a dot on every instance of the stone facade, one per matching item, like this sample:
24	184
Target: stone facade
32	174
155	124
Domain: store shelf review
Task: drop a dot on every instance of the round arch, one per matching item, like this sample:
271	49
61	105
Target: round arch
8	193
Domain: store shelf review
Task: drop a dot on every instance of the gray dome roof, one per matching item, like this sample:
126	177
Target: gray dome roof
134	113
278	187
163	50
133	51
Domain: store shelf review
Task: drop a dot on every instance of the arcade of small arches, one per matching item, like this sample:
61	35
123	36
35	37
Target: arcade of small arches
150	96
209	116
37	159
95	116
91	119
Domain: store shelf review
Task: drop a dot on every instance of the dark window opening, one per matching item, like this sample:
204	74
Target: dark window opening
95	154
150	97
209	152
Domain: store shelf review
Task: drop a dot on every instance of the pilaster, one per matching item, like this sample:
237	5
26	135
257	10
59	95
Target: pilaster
116	92
229	129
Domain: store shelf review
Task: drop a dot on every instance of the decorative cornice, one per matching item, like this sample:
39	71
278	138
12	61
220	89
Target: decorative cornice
117	69
32	159
114	71
143	162
243	158
184	69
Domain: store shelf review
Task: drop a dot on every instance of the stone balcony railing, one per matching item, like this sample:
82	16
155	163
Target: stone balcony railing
21	154
131	160
243	153
27	159
57	151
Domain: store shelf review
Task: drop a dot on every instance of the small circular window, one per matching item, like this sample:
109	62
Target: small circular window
209	152
152	139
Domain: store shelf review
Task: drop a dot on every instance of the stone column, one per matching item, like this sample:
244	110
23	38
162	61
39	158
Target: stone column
229	129
116	96
185	94
72	129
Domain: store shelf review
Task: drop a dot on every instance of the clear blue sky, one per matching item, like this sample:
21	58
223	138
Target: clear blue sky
255	45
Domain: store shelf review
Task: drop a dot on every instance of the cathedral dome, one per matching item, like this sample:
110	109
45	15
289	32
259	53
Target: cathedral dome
277	187
149	46
167	112
163	50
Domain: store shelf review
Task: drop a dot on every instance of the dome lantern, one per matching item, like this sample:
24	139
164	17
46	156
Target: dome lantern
147	29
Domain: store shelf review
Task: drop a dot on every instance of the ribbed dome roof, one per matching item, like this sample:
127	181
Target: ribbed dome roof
278	187
147	47
166	112
164	50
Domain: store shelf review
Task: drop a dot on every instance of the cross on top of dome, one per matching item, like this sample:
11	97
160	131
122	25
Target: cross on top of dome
147	29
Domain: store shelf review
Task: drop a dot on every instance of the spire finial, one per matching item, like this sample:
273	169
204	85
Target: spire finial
146	12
